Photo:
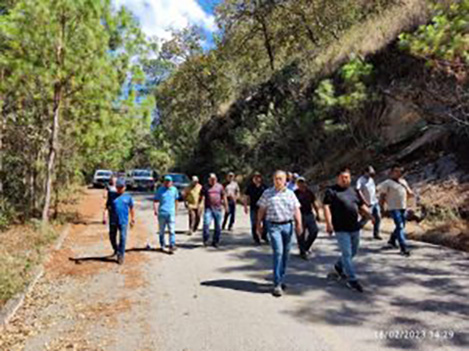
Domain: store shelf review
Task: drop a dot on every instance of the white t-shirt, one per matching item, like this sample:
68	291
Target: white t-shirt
396	193
367	187
232	189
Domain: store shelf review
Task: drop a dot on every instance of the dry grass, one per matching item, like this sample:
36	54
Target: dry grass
22	249
368	37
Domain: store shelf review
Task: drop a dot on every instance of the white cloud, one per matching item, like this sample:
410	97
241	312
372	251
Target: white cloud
158	17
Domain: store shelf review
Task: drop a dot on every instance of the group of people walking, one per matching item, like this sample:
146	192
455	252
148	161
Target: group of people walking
277	213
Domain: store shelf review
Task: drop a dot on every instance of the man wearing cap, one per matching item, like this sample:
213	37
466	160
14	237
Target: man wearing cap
307	200
281	209
367	189
165	205
121	207
232	193
292	177
252	194
191	200
214	196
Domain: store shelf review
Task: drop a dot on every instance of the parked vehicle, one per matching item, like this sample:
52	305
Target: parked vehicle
180	181
101	178
141	179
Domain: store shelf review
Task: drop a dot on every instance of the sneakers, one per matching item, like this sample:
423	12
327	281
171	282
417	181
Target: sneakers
304	256
206	243
277	291
340	271
392	245
215	245
120	260
284	286
405	253
355	285
171	250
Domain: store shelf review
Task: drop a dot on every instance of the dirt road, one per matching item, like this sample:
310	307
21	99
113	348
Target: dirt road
219	299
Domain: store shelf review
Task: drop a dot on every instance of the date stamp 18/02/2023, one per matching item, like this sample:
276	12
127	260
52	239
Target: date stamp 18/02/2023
414	334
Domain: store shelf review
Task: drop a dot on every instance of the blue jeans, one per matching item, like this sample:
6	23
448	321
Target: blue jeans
376	213
209	215
231	214
169	220
122	239
280	236
113	228
348	245
399	217
253	215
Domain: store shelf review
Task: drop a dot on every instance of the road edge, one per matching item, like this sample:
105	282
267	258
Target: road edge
8	311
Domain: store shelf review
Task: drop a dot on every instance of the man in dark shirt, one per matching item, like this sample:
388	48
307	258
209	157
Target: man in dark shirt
308	202
252	194
342	207
109	212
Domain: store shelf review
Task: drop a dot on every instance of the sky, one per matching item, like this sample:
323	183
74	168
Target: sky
158	17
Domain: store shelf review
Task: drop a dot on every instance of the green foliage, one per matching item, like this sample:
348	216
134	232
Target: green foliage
64	65
353	76
446	38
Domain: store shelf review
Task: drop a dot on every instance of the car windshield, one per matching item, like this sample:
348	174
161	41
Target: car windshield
104	174
142	174
180	178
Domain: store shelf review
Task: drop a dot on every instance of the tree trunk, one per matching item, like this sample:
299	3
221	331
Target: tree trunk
52	150
267	42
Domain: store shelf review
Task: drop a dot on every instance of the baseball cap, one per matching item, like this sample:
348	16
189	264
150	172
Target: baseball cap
120	183
301	179
195	178
212	175
231	174
168	178
257	174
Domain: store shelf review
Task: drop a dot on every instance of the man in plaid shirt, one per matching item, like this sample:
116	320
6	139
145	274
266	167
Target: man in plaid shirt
281	208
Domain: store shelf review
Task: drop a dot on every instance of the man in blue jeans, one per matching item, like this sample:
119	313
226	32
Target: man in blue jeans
342	206
165	205
281	209
122	206
214	196
394	192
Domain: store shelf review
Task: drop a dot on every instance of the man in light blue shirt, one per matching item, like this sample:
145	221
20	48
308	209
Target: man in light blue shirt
122	205
165	206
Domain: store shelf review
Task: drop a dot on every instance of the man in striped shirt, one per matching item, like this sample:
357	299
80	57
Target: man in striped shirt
281	209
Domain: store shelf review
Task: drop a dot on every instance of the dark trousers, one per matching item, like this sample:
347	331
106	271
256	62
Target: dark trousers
194	219
113	236
231	214
309	224
253	215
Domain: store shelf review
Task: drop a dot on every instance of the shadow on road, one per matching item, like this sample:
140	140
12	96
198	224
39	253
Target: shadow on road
239	285
105	259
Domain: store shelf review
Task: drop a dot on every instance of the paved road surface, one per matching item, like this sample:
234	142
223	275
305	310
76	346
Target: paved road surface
219	299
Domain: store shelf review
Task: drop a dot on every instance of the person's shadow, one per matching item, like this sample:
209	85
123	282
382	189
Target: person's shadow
239	285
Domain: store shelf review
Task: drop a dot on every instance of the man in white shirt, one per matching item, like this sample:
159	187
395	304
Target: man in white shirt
367	189
394	192
232	193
